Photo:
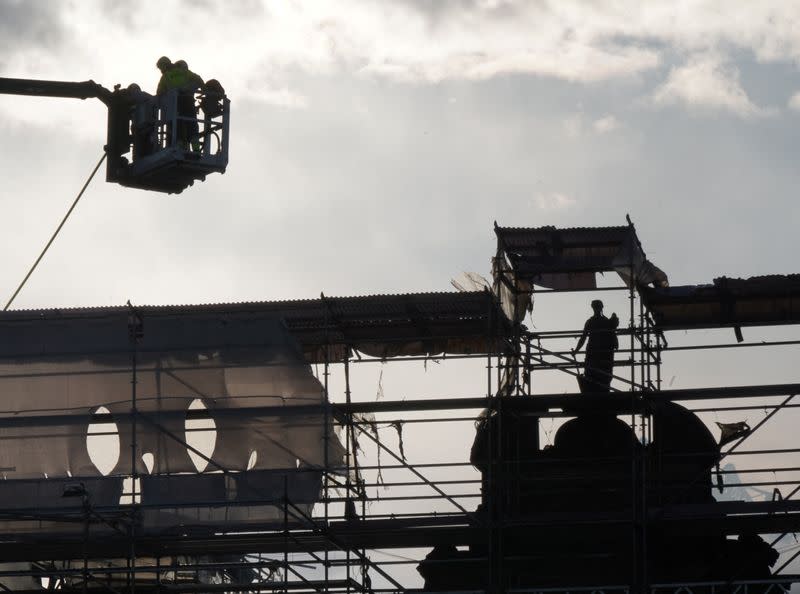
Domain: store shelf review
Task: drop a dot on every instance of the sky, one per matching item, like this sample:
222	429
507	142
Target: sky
374	144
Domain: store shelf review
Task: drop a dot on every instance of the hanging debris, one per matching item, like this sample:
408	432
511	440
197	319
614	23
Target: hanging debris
732	431
379	393
398	426
367	422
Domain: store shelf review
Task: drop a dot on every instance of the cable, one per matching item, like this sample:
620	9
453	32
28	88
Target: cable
395	556
52	238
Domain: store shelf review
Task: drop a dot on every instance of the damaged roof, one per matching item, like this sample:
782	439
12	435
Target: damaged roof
414	323
536	251
728	302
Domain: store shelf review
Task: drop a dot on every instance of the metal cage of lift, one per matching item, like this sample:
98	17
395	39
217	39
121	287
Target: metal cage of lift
175	139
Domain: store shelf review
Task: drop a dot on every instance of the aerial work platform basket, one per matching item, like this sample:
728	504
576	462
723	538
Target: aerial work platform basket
175	139
162	143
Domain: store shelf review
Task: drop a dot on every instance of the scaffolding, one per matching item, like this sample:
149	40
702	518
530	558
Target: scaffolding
415	492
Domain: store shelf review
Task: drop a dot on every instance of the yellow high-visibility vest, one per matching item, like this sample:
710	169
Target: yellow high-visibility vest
177	78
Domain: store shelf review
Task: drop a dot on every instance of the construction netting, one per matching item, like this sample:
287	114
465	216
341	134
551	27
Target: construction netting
220	419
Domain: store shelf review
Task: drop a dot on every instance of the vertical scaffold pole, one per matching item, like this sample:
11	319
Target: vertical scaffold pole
351	443
634	462
496	461
644	341
135	334
639	515
527	371
285	532
326	487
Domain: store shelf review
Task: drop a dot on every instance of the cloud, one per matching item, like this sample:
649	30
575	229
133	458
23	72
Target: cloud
706	83
278	95
794	101
553	201
577	124
588	42
422	42
568	61
573	125
284	97
474	39
29	30
29	24
605	124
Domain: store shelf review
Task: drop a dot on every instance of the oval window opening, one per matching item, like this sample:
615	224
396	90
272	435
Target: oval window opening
251	461
149	461
102	443
201	434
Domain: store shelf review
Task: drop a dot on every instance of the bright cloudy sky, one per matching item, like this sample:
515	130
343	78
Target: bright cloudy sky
374	143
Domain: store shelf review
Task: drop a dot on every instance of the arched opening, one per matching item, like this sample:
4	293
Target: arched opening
102	443
149	461
251	461
201	434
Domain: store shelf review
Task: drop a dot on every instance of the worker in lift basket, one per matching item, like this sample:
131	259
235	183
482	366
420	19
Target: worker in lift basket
178	77
143	121
599	362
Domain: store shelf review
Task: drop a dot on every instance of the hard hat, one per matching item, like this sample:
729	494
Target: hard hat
163	62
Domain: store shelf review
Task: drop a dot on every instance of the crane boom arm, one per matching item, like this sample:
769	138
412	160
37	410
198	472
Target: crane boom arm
54	88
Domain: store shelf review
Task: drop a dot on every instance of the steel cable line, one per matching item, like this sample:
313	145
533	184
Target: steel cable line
53	237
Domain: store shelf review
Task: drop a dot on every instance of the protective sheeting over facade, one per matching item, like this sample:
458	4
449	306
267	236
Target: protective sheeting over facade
570	258
273	432
728	302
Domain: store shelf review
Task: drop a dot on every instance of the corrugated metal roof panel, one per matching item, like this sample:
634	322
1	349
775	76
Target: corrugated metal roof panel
429	317
526	238
728	302
536	251
354	305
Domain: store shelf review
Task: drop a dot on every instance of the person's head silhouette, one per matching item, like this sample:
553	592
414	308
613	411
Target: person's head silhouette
164	64
597	306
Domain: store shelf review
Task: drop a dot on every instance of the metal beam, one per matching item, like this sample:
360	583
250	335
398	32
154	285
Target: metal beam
53	88
574	403
731	518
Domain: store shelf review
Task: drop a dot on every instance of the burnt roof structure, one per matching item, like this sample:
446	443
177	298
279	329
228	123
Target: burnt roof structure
570	258
728	302
383	326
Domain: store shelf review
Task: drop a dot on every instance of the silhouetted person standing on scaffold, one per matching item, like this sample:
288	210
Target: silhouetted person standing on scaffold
599	363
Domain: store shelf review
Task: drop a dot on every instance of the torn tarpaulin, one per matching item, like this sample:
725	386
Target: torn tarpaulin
732	431
398	426
512	291
179	360
364	423
570	258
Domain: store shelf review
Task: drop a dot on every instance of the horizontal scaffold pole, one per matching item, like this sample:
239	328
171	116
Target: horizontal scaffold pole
574	403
